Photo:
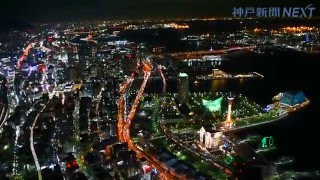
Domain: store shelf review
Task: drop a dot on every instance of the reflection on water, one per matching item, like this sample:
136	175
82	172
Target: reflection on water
241	81
217	85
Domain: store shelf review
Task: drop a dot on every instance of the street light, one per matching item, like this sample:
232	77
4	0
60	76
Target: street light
6	147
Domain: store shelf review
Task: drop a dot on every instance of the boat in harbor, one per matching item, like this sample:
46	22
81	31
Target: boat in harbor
266	150
284	160
250	139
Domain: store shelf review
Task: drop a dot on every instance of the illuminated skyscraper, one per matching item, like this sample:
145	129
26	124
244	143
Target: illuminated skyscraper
183	88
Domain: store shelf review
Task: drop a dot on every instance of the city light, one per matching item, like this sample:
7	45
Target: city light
159	99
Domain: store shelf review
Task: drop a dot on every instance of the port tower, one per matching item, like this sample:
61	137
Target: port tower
228	123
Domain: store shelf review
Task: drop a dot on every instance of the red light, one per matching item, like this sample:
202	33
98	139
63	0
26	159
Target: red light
41	68
228	171
68	166
74	163
147	169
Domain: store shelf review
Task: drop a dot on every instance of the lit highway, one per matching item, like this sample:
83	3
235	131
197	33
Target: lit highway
124	132
121	103
120	118
25	53
3	115
15	161
34	154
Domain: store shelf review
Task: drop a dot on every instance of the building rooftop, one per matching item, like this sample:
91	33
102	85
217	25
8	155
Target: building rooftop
183	75
210	128
291	99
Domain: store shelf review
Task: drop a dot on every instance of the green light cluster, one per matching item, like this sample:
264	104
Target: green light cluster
229	159
266	142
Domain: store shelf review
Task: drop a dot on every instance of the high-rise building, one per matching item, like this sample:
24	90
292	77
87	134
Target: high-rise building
183	88
210	137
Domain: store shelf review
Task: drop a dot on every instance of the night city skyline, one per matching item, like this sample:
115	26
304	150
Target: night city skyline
159	90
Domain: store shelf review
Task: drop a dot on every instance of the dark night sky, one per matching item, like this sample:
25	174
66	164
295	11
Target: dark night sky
68	10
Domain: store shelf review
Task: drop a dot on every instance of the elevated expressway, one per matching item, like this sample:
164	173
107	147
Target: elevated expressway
125	124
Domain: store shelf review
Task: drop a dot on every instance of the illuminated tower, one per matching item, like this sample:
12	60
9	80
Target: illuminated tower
228	122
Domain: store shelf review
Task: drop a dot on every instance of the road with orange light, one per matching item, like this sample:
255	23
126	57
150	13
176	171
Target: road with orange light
121	108
25	53
124	127
124	130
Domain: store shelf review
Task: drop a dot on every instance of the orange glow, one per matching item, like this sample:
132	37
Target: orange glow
177	26
124	130
120	118
107	152
257	30
228	122
147	67
299	29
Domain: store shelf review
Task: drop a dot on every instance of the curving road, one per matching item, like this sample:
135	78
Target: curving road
34	154
3	114
124	130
